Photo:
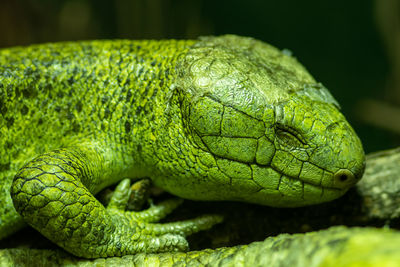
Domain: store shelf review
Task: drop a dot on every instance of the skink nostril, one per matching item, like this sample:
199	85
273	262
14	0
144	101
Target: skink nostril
344	178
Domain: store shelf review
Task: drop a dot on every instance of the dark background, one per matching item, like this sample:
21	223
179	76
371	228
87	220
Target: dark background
352	47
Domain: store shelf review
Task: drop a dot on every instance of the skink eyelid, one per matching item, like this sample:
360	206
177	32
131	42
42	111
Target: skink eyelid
292	132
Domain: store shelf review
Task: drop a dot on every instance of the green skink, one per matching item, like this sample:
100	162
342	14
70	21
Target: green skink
218	118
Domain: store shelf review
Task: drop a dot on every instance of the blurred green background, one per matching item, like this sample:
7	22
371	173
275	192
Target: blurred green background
352	47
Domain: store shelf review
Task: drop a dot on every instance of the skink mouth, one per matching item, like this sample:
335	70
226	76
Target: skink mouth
304	181
297	192
340	180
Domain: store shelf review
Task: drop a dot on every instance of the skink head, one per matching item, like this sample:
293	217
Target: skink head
264	130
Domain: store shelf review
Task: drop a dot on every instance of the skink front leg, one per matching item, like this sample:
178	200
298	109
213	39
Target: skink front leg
53	194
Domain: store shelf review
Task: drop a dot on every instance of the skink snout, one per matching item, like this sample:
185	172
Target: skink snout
344	179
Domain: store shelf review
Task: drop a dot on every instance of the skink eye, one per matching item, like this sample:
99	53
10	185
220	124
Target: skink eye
288	137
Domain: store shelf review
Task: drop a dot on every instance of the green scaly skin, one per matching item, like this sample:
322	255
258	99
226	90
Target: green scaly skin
219	118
